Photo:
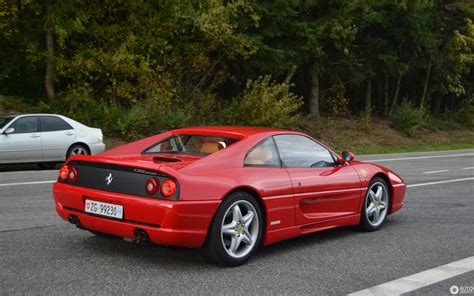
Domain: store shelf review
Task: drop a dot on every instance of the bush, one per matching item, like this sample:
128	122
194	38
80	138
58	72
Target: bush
366	118
13	105
265	102
465	114
140	120
408	119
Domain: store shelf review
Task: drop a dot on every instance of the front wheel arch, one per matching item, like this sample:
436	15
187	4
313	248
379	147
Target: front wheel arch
389	185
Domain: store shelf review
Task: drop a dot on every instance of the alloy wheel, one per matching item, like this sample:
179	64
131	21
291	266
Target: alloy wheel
376	204
239	229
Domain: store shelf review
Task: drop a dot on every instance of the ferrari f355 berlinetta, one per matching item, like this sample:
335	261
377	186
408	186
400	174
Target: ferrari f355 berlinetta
226	190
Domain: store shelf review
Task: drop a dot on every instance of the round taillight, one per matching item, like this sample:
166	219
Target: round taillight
73	174
151	186
64	172
168	188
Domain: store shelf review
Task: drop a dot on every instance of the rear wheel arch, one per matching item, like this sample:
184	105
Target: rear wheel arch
212	248
257	198
78	144
255	195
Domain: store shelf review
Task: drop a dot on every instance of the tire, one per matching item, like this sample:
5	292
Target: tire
77	149
47	165
230	242
376	204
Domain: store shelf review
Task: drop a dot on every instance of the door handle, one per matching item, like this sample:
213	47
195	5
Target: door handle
35	136
69	134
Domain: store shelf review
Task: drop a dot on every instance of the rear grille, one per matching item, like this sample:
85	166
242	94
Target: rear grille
118	179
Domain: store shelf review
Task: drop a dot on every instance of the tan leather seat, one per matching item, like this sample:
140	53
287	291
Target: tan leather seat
260	155
211	147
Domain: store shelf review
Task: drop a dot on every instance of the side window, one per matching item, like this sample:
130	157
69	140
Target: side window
25	125
263	154
51	123
301	152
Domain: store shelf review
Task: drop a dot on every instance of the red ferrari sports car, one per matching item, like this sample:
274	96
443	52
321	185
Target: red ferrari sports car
225	189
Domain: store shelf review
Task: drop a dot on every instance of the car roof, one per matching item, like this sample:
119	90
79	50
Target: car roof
37	114
240	131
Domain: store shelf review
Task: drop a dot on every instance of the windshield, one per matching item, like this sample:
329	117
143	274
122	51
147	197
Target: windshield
192	144
4	120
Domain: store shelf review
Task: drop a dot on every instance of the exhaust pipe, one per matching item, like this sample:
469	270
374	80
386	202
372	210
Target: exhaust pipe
141	234
74	220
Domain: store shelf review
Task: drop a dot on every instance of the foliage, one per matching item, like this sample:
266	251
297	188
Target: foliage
137	67
13	105
336	102
265	103
408	119
365	118
465	114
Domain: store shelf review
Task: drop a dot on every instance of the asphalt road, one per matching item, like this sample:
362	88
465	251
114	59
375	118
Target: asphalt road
41	254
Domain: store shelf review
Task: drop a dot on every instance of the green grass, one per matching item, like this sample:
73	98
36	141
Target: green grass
380	138
377	149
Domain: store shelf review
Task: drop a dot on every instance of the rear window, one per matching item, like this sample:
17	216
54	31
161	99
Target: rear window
192	144
51	124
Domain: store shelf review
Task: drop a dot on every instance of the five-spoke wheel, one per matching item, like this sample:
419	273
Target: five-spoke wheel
375	208
77	149
240	229
236	230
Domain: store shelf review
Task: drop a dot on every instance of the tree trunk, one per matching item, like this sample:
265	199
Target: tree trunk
385	103
368	95
314	93
395	96
425	87
48	77
437	105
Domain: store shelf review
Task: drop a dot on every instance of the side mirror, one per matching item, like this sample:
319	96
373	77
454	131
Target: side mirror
347	156
9	130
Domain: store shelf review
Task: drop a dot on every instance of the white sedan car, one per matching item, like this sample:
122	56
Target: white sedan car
46	139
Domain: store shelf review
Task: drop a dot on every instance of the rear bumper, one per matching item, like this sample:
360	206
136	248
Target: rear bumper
97	148
178	223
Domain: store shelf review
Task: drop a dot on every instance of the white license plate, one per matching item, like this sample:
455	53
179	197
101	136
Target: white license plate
103	209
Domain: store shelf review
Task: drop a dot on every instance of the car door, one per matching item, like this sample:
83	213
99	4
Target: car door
263	169
23	144
322	190
56	137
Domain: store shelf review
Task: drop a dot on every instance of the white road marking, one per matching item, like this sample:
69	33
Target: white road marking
421	279
434	172
26	183
440	182
419	157
469	168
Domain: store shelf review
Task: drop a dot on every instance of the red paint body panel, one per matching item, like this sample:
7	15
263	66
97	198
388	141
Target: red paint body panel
294	201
